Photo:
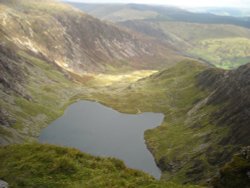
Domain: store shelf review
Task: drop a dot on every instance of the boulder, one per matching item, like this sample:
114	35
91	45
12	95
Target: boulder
3	184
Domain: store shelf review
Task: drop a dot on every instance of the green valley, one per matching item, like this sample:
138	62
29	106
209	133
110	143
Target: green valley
226	53
225	46
196	72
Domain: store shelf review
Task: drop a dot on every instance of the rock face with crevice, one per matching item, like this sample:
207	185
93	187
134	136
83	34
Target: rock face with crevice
230	88
12	75
229	91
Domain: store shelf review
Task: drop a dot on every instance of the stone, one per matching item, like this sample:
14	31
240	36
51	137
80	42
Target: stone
3	184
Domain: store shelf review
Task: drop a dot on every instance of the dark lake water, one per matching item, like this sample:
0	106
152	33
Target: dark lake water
96	129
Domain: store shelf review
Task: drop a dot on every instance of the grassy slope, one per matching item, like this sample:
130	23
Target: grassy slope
179	144
44	86
225	53
127	14
194	32
36	165
114	12
225	46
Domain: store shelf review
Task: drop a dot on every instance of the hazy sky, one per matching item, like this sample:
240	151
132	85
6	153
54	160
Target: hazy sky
187	3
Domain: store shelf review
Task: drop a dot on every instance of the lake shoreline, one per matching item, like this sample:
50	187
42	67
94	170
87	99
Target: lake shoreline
134	133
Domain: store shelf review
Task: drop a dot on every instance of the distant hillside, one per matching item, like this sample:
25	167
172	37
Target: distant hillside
231	11
78	42
122	12
195	35
225	46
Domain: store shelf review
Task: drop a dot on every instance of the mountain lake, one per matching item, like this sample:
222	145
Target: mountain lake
102	131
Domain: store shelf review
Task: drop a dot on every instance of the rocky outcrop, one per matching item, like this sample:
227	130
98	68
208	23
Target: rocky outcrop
230	88
5	118
3	184
236	173
229	91
12	75
210	78
193	144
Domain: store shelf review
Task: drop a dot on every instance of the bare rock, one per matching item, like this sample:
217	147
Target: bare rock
3	184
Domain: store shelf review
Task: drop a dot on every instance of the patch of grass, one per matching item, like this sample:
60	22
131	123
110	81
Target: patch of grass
32	108
36	165
110	79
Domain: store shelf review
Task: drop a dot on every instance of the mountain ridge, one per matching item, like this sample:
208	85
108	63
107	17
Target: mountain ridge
161	12
209	38
83	40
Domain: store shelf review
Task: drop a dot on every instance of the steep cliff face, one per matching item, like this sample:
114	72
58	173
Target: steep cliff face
12	74
236	173
76	41
198	138
30	86
230	88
